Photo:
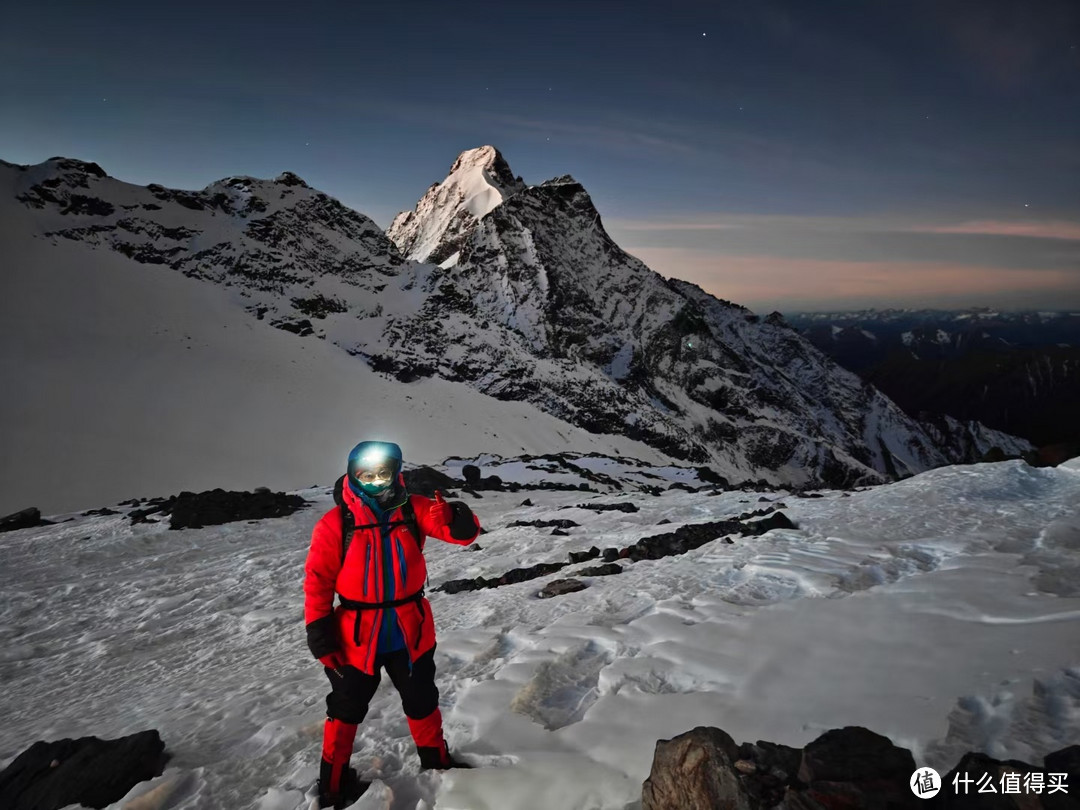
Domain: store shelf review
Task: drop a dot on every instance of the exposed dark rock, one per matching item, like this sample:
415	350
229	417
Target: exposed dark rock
559	587
843	769
582	556
610	554
695	771
682	486
559	533
544	524
517	575
601	570
606	507
471	474
663	522
303	328
709	476
23	519
511	577
1067	760
290	179
459	585
526	502
318	306
856	767
777	520
755	513
80	204
425	480
87	771
193	510
101	512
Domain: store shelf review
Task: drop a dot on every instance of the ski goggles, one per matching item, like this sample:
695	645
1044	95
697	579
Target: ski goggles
382	474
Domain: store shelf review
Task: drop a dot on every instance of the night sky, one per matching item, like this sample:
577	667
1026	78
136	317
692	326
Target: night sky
783	154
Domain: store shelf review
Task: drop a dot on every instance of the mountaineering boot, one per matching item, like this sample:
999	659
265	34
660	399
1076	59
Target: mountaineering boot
438	758
338	783
350	788
430	746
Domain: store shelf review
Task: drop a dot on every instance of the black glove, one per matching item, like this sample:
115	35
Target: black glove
462	525
322	636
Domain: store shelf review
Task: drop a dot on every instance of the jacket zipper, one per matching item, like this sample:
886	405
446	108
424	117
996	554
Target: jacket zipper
404	569
367	565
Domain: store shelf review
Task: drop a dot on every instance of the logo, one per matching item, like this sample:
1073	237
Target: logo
925	782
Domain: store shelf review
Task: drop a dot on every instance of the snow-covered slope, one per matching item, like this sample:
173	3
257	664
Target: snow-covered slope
125	379
541	308
942	611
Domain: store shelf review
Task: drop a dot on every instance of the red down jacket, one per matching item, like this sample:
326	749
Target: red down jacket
361	577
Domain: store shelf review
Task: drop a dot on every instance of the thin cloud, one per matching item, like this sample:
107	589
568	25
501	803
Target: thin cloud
1046	229
1038	230
765	281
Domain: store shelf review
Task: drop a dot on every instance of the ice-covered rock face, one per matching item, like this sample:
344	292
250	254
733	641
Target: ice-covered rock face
596	337
479	180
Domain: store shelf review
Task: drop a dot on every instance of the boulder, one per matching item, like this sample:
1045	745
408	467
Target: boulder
23	519
854	767
777	520
191	510
87	771
606	507
582	556
695	771
558	587
544	524
471	474
844	769
425	480
607	569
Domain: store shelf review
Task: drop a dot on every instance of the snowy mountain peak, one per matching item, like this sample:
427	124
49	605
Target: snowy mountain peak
290	179
63	165
487	159
479	181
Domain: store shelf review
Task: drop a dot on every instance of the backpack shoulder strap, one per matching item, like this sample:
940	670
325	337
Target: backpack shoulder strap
408	514
348	526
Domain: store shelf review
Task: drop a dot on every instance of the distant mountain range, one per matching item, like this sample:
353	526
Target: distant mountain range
517	291
1014	371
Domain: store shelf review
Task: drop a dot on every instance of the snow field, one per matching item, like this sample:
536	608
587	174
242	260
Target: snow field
911	608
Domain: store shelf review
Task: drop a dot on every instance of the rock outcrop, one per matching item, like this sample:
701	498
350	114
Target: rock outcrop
850	768
87	771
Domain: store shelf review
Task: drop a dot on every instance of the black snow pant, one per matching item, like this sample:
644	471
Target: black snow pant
354	689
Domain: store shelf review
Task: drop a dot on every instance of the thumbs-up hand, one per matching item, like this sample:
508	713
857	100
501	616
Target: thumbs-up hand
441	512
